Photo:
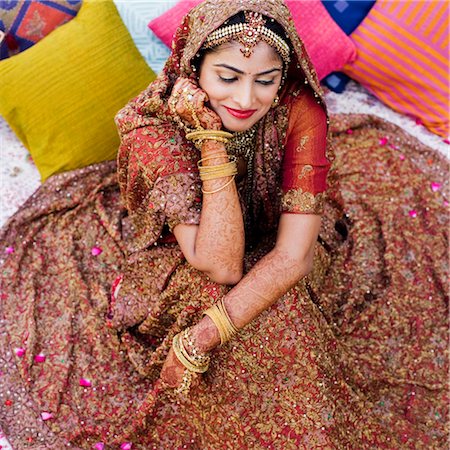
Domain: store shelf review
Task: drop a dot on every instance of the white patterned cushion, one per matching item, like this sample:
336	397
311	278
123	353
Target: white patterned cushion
136	14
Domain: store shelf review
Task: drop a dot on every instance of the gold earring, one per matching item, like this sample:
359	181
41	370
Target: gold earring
275	102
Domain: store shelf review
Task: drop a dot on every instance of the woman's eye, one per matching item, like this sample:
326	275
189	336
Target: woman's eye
227	80
265	82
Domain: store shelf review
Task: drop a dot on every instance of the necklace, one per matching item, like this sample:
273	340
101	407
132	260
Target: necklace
243	146
243	143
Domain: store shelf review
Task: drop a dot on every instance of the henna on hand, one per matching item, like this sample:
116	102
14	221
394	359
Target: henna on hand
188	101
172	372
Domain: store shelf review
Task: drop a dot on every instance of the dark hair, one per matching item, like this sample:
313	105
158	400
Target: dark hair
270	23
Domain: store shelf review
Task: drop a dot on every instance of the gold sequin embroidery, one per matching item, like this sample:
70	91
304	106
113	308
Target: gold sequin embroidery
299	201
303	141
306	169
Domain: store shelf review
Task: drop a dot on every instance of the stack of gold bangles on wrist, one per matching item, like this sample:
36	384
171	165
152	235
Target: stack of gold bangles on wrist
219	315
215	171
194	361
228	169
199	136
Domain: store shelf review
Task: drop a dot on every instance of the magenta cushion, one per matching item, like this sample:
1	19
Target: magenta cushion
328	46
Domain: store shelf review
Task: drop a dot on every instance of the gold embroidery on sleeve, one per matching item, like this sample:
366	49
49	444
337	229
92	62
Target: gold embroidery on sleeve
299	201
303	141
305	170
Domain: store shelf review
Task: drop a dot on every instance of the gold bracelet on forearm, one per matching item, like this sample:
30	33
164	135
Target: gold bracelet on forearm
219	189
217	170
204	134
185	359
220	171
219	315
200	136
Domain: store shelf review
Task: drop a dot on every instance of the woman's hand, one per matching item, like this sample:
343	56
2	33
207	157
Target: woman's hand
173	371
188	101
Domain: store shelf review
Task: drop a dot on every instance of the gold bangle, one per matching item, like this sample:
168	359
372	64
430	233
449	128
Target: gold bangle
217	167
199	134
180	354
194	355
231	158
221	306
221	319
223	173
213	314
221	187
198	359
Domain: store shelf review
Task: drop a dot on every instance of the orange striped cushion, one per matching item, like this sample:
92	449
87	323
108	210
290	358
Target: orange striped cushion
403	58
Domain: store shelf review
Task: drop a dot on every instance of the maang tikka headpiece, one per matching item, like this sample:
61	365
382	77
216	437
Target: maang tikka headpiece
248	34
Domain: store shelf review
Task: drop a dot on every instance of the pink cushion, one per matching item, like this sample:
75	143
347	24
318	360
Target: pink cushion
403	59
328	46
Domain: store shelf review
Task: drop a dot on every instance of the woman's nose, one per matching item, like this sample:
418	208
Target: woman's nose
244	96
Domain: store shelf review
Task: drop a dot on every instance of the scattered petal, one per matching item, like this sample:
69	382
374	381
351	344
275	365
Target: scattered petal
99	446
19	352
435	186
395	147
126	446
85	382
383	141
349	131
419	121
446	203
39	358
46	416
9	250
446	141
402	157
96	251
413	213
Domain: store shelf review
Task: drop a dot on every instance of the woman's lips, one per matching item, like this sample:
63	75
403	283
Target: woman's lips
240	114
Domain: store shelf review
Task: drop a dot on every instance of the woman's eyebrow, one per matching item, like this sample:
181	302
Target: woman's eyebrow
266	72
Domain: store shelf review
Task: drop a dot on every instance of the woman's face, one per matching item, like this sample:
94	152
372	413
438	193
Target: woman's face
241	89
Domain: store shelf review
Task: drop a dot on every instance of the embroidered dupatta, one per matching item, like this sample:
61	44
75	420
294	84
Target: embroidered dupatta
156	163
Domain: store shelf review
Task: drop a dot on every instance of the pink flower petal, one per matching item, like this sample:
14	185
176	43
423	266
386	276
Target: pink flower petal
39	358
419	121
446	203
99	446
446	141
96	251
413	213
126	446
402	157
349	131
383	141
46	415
435	186
9	250
85	382
19	352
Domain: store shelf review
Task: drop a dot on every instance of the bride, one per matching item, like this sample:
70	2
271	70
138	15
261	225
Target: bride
221	286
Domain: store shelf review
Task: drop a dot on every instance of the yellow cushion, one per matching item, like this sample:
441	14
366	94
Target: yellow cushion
61	95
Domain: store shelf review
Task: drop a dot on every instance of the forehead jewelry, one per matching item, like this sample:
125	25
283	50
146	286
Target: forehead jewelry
248	34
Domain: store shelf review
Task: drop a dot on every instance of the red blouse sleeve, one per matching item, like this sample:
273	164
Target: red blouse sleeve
305	164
